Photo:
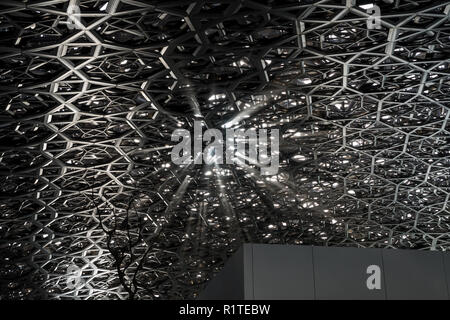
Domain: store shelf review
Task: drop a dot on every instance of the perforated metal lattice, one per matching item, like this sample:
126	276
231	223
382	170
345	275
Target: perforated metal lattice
88	105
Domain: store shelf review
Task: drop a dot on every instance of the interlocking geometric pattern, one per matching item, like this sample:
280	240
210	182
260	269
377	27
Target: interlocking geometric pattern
87	115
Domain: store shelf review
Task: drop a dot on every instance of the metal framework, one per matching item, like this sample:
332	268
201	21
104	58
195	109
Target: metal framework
87	114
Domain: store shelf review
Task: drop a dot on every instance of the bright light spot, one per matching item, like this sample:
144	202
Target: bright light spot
366	6
217	97
305	81
299	157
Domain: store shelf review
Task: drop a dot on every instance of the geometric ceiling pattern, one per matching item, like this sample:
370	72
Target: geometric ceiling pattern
88	106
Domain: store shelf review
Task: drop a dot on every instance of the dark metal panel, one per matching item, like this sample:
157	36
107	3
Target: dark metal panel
412	274
282	272
342	273
446	259
229	282
247	259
